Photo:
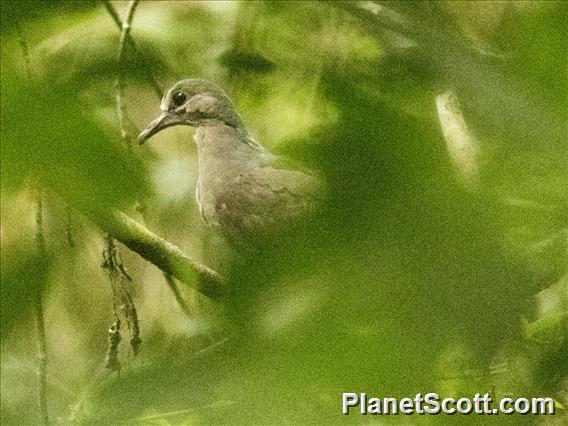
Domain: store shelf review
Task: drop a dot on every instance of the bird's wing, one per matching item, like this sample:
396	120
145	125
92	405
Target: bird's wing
265	200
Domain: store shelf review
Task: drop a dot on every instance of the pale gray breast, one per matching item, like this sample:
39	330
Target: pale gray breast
261	202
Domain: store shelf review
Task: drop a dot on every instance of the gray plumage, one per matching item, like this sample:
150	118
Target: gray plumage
242	189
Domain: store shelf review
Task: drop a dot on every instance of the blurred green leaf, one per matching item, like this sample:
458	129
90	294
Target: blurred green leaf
49	137
405	281
24	274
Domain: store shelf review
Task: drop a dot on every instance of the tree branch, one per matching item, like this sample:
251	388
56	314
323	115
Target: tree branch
166	256
39	316
120	104
179	299
128	38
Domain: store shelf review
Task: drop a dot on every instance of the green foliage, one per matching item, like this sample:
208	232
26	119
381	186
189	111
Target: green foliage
49	137
405	282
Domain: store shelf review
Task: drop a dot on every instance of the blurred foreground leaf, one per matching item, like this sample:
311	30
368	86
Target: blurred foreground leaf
49	137
23	274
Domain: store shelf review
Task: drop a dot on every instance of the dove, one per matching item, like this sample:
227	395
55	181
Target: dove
243	190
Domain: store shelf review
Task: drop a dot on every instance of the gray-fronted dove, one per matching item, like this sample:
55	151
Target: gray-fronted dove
242	188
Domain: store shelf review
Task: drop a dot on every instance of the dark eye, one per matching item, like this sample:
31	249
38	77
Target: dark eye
179	98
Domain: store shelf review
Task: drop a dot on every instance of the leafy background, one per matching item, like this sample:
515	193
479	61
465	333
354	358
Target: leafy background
408	281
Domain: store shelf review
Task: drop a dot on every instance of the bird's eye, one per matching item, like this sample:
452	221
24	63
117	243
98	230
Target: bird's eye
179	98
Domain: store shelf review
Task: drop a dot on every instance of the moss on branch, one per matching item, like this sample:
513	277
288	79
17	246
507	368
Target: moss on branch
166	256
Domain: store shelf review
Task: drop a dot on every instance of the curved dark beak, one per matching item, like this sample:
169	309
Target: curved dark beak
165	120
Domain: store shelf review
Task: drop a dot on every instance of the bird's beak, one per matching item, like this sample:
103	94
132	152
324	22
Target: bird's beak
166	119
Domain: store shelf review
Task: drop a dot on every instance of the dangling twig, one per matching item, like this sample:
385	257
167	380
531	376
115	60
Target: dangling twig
133	324
122	302
112	361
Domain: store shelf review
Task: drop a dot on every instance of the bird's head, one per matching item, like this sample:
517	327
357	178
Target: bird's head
193	102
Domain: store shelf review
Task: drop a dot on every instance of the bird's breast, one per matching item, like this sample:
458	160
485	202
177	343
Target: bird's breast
256	203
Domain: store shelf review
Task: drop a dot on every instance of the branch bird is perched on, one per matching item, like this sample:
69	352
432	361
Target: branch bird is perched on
242	188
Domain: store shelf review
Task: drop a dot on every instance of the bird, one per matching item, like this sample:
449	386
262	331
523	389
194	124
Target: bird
246	192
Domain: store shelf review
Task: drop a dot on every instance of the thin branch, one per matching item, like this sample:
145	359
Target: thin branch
166	256
151	79
40	320
150	419
120	104
210	348
69	226
169	279
26	54
380	18
177	295
113	13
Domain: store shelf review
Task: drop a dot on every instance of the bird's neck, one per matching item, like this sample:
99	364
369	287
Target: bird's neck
226	150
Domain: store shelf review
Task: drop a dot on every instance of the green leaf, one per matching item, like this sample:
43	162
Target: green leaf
50	137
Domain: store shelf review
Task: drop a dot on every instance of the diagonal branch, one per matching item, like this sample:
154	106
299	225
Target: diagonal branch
177	296
166	256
